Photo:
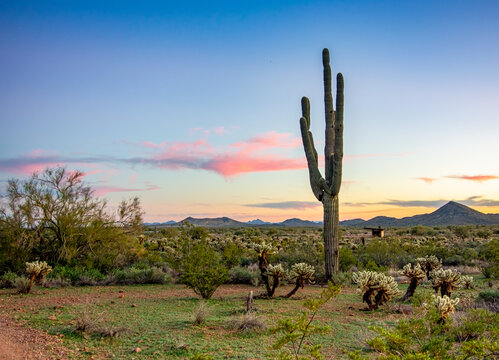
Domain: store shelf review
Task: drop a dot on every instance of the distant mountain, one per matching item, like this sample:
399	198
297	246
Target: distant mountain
258	222
451	213
171	222
352	222
297	222
214	222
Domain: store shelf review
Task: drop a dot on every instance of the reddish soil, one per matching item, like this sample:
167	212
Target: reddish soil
20	343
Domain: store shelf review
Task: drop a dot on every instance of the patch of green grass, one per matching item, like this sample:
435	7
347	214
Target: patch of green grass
159	320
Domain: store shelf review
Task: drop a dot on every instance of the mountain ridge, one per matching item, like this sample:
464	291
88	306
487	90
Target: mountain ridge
452	213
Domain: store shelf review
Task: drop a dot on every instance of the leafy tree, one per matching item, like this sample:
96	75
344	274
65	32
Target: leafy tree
201	267
54	216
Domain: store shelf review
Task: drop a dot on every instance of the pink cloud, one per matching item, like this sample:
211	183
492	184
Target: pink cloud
35	161
236	164
238	158
477	178
427	180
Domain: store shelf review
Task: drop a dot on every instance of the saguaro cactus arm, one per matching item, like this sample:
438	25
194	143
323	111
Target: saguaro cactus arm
338	137
317	182
329	117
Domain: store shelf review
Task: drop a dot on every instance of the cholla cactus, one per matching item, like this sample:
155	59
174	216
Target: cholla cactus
445	306
36	271
376	288
429	263
275	273
446	281
467	281
415	274
300	273
263	250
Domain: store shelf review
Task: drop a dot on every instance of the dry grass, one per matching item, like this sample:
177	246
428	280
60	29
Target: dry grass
94	326
201	313
248	323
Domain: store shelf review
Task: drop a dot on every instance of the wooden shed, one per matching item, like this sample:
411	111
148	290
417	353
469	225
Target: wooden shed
376	232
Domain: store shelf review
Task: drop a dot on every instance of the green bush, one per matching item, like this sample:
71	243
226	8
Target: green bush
342	278
201	268
244	275
76	275
8	280
421	338
347	259
490	295
474	324
132	275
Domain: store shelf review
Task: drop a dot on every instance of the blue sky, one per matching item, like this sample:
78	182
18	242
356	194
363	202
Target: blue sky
194	106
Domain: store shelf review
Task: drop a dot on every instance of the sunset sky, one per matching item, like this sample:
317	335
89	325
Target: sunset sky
194	106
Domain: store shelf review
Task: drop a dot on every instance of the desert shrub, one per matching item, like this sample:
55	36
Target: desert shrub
420	230
419	338
462	232
201	313
376	288
248	323
372	266
201	268
383	253
489	295
133	275
300	273
244	275
484	233
416	275
304	250
347	259
488	299
22	284
7	280
231	255
491	271
95	325
474	323
55	282
446	281
293	331
342	278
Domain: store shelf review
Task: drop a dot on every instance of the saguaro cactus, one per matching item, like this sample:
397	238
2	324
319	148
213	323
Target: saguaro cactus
327	188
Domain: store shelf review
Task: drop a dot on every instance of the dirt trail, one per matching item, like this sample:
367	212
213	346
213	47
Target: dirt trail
20	343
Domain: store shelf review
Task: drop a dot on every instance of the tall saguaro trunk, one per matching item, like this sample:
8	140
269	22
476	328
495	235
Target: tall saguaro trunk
327	188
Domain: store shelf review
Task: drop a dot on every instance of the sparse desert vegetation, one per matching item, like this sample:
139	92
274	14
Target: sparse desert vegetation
151	304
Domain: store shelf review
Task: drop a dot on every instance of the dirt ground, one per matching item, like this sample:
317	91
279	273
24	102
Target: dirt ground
20	343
